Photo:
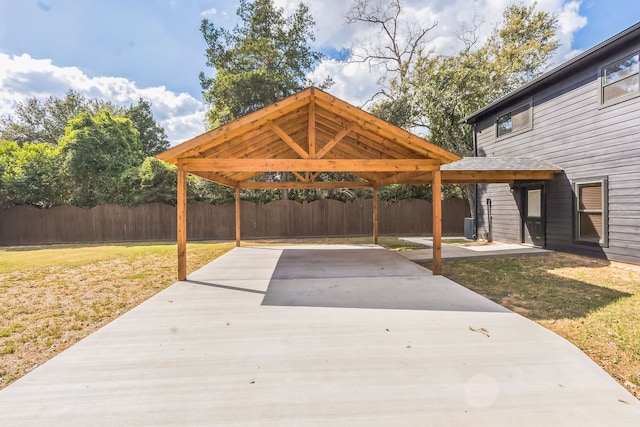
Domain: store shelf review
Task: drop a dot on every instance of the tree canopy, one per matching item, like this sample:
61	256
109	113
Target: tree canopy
153	138
80	151
30	174
97	149
265	58
41	121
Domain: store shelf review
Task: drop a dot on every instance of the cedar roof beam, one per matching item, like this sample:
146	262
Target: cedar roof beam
212	176
300	177
311	129
318	185
336	139
324	165
406	178
286	138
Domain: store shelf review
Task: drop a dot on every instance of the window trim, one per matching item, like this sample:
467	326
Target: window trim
603	103
529	105
604	185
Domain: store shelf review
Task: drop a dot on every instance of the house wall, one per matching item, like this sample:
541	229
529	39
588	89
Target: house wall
573	131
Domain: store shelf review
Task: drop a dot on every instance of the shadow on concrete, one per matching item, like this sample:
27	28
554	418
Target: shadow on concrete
365	278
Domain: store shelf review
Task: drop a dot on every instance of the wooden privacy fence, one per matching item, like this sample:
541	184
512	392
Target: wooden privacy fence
25	225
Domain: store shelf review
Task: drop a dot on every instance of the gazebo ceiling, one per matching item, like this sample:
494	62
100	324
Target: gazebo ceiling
306	134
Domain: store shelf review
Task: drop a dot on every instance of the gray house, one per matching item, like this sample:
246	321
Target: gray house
584	118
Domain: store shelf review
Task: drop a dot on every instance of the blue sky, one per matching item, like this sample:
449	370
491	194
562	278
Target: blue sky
125	49
606	18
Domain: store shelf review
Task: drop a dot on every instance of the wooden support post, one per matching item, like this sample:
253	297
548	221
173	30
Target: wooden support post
375	215
182	224
437	222
237	216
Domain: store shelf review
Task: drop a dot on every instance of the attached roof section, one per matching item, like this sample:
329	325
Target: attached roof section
497	170
610	45
500	163
489	170
306	134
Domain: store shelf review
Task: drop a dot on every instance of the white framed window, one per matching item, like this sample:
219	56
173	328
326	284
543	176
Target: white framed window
516	120
591	211
621	79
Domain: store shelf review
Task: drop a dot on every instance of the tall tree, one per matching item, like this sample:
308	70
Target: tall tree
265	58
153	137
97	149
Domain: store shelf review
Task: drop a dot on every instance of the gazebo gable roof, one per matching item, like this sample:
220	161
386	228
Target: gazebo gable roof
311	129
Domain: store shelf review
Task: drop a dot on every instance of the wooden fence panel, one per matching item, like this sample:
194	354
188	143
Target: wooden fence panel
25	225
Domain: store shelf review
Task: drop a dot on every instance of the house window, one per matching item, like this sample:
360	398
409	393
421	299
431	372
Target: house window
620	80
534	203
514	121
591	212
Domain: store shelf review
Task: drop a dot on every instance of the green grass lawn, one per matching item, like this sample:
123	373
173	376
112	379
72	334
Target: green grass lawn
31	257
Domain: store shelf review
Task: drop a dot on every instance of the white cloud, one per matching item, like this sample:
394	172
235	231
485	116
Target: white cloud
209	13
22	77
570	21
353	82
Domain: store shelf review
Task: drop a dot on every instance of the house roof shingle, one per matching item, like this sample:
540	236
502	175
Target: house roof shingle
500	164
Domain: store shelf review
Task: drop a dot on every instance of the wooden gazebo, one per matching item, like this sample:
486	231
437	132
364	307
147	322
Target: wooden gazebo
307	134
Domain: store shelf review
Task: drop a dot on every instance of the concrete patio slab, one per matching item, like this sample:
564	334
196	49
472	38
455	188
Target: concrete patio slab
319	336
458	251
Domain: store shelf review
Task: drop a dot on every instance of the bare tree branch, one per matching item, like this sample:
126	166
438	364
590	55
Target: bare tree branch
468	33
400	42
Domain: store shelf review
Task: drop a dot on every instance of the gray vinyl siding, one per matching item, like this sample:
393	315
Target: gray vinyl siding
504	212
572	131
